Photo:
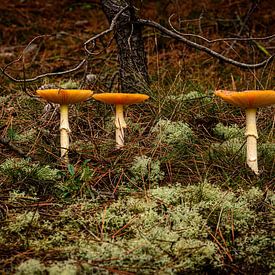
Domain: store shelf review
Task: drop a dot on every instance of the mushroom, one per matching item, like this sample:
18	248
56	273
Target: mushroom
250	101
64	97
119	100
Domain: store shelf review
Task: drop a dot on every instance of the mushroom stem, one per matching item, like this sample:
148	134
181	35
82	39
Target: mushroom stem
120	125
119	138
251	140
64	132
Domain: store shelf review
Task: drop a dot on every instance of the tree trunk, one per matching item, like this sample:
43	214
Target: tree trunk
133	72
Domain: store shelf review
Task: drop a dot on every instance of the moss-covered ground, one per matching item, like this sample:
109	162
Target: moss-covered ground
178	198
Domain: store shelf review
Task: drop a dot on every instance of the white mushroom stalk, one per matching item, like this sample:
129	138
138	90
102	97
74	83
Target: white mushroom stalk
120	124
251	140
64	132
119	100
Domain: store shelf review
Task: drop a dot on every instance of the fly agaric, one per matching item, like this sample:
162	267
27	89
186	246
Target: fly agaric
250	101
119	100
64	97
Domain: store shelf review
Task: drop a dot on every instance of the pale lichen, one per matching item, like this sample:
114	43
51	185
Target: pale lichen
30	267
170	230
25	136
145	169
23	221
267	151
63	268
22	169
233	147
228	132
194	254
69	84
174	133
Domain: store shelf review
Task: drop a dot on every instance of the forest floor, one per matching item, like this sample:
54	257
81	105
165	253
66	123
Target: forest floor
178	197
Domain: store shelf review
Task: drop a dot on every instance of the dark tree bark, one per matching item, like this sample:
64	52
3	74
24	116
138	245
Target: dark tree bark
133	71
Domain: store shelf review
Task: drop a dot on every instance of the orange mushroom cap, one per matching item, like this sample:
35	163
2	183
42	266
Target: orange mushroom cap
65	96
248	99
120	98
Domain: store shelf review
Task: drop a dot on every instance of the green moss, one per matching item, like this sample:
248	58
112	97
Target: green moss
35	267
23	221
228	132
191	96
256	251
222	208
16	196
69	84
254	196
63	268
229	148
26	136
170	230
139	205
189	223
267	151
144	169
22	169
172	133
31	267
28	108
168	194
195	254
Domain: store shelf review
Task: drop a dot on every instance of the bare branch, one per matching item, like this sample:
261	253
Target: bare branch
24	51
24	80
44	75
245	39
111	28
212	53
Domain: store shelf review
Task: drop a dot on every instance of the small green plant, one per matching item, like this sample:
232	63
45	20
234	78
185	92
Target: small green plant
202	98
77	177
35	267
11	133
217	206
195	254
172	132
63	268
